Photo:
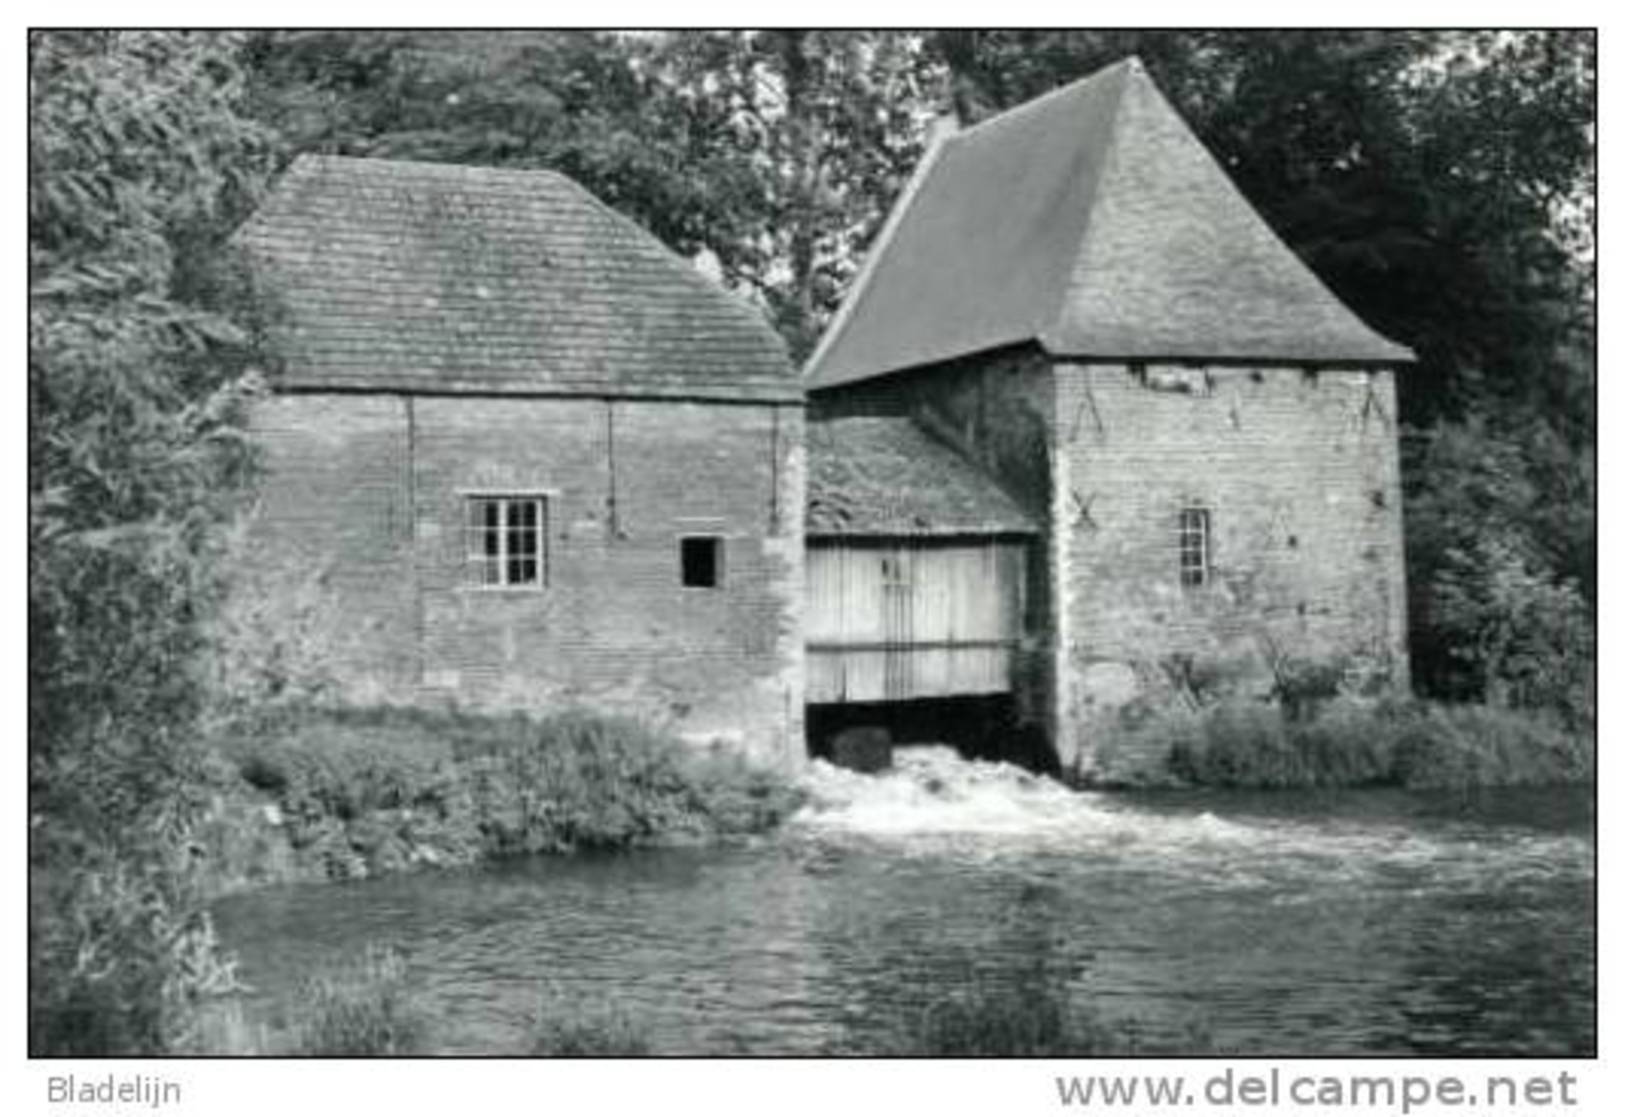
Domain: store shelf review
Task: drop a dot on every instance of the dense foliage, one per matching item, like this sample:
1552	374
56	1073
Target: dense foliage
140	163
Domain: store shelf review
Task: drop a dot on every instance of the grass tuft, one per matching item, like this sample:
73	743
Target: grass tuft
563	1028
364	1009
1347	742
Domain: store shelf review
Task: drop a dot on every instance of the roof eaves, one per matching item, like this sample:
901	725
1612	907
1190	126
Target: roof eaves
923	358
1060	351
759	389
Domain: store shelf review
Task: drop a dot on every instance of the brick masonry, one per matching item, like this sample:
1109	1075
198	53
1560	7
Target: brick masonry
370	489
1297	468
1299	472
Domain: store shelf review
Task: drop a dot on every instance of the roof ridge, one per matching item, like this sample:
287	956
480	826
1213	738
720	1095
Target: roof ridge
1148	105
445	169
1130	67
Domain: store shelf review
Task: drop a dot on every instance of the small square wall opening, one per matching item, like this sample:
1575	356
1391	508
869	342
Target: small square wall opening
702	561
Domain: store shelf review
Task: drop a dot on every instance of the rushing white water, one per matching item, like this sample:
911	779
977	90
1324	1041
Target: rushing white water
934	802
931	791
1286	923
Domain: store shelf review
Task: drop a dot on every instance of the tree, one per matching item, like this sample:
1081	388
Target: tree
816	131
140	163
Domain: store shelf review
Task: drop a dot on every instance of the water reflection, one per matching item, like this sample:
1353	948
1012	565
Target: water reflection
1283	924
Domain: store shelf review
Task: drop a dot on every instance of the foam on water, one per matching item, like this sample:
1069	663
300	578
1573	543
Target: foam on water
933	802
933	793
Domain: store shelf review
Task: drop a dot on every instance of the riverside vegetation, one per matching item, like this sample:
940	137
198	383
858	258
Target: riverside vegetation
1345	742
348	793
148	148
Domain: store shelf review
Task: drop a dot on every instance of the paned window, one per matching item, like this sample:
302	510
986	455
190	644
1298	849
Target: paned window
505	540
1195	547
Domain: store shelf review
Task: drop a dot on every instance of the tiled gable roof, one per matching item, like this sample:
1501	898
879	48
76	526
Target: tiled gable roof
431	277
887	476
1092	221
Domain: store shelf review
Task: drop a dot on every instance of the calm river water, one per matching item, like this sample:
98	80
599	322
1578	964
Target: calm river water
1286	923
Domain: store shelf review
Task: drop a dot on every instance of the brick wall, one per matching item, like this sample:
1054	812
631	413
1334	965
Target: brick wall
333	512
613	628
1299	472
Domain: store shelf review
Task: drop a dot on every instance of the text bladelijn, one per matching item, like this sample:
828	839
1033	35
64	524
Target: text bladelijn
147	1090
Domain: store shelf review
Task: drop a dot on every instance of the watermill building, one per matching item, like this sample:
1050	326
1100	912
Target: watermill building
1076	298
535	457
1084	425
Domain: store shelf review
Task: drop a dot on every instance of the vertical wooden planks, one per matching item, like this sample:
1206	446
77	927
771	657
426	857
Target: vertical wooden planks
903	618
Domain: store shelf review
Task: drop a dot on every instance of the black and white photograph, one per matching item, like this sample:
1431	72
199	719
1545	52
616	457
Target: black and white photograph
815	544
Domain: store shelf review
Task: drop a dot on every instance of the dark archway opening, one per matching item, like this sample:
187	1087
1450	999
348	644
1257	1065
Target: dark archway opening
979	727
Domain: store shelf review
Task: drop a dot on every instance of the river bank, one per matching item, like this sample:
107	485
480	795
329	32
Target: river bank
364	794
337	794
1340	742
351	794
899	912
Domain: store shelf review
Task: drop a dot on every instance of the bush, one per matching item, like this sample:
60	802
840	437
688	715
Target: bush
1241	744
1500	546
1477	746
359	796
142	164
576	780
366	1008
121	949
121	959
1302	686
1347	743
1357	743
1524	638
369	791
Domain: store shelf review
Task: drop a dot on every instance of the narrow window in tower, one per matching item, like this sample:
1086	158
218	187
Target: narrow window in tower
1195	547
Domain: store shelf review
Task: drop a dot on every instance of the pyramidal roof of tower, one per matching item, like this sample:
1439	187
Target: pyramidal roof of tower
1093	222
